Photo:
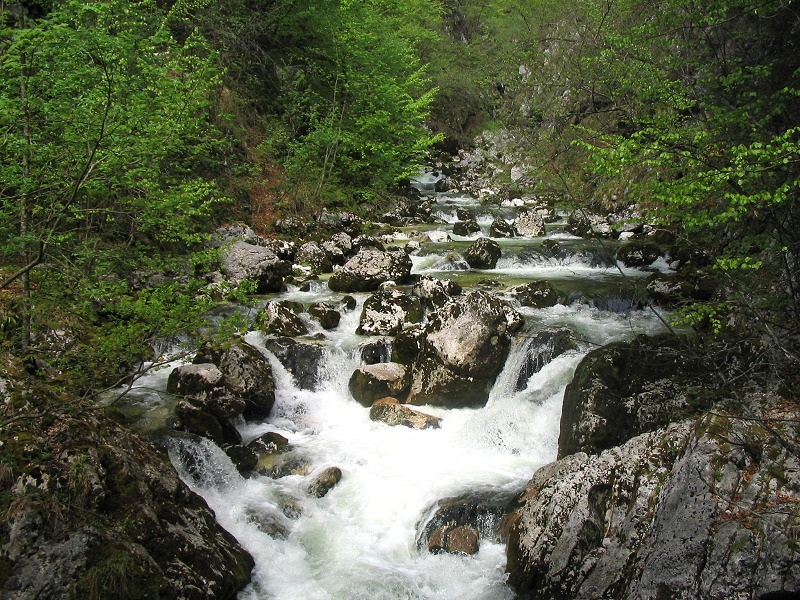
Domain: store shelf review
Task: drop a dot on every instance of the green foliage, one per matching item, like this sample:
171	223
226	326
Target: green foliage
106	140
706	137
355	95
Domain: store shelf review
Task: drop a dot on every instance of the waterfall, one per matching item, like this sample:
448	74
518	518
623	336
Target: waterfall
360	540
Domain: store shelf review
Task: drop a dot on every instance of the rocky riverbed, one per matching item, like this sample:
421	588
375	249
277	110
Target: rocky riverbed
476	400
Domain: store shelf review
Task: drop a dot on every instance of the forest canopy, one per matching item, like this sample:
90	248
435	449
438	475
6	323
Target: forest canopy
131	129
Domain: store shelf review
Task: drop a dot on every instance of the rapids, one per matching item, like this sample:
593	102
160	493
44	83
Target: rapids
360	540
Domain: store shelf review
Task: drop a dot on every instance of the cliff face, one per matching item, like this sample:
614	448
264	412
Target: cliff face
89	510
707	507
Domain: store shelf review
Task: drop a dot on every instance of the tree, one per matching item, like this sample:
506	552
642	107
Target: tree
710	95
105	138
355	95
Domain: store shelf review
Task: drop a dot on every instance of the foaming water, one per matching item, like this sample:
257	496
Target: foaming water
359	541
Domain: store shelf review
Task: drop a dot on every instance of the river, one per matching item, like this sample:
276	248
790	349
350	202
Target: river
360	541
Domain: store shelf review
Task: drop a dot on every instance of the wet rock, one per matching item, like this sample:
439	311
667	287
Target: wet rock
624	389
208	405
106	513
278	318
368	383
466	228
325	482
378	351
500	228
391	412
246	372
483	254
244	458
269	448
387	312
586	224
271	522
542	349
243	261
481	511
685	512
435	292
368	269
529	223
536	294
312	255
462	539
270	442
327	316
463	349
304	361
638	253
347	303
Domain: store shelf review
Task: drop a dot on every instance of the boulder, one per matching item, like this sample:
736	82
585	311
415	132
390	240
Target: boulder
279	318
207	405
377	351
695	510
246	373
435	292
627	388
638	253
674	290
342	241
464	348
283	249
325	481
466	228
461	539
199	420
483	254
312	255
242	261
390	411
408	344
234	232
500	228
327	316
387	312
536	294
364	241
586	224
529	223
368	269
543	347
91	510
303	360
369	383
343	221
437	236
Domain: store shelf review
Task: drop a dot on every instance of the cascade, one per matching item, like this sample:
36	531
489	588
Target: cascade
360	541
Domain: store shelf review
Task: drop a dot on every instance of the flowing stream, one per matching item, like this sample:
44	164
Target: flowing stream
360	541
